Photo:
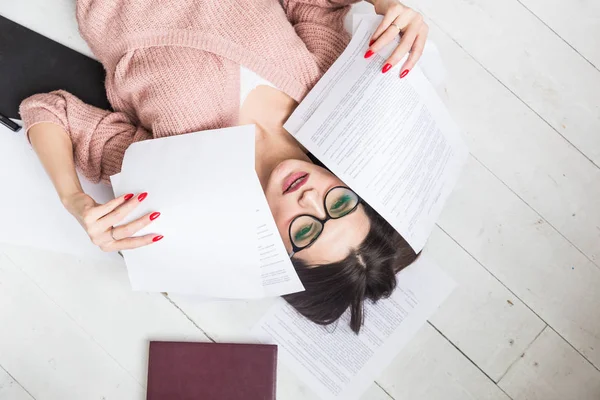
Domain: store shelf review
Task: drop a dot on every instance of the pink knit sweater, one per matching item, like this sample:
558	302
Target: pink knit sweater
172	67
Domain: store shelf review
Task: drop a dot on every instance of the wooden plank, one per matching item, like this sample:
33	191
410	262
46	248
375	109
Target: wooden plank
48	353
533	62
527	255
522	150
481	317
11	389
99	299
577	22
431	368
551	370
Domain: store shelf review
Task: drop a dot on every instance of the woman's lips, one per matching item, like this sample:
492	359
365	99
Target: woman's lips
294	181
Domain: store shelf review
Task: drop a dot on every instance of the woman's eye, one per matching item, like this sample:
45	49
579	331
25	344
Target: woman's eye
303	232
341	201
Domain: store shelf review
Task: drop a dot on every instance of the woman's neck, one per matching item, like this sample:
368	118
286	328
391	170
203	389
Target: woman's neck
268	109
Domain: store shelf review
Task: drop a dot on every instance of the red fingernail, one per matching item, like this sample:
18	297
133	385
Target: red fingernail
154	215
128	196
371	42
369	53
142	196
157	238
386	68
404	73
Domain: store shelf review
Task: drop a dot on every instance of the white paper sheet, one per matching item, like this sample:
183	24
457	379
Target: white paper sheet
33	214
278	276
211	245
392	140
335	362
207	178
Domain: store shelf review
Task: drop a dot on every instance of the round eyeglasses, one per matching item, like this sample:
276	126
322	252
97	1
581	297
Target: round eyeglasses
305	229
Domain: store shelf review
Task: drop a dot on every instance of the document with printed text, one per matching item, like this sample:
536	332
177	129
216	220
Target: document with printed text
392	140
220	239
334	361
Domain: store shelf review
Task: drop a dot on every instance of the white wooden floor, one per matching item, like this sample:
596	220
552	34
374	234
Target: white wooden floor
521	236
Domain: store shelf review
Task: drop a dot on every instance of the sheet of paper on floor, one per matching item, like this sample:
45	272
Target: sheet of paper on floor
392	140
206	177
335	362
34	215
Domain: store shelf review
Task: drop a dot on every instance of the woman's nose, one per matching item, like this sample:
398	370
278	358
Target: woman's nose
312	203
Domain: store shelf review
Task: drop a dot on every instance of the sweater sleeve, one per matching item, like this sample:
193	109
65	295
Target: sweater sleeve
99	137
320	25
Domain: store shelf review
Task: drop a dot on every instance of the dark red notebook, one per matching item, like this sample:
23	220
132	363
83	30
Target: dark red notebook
211	371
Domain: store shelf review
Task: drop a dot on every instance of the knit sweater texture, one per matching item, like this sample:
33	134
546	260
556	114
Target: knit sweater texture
172	67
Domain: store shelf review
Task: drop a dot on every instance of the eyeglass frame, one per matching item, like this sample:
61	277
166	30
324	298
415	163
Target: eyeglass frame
328	217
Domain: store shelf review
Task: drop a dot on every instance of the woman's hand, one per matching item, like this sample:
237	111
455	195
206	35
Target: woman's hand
98	221
397	18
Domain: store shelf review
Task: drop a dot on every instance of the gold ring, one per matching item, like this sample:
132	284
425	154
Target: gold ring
396	25
112	233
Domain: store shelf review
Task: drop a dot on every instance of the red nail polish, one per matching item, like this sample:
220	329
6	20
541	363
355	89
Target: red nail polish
404	73
142	196
128	196
154	215
371	42
386	68
369	53
157	238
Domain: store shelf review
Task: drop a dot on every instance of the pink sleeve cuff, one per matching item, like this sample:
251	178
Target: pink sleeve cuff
35	110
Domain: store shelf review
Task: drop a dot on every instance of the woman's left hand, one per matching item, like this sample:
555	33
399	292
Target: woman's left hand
398	18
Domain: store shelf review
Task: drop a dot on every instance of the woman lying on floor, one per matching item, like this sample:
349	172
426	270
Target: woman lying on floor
174	68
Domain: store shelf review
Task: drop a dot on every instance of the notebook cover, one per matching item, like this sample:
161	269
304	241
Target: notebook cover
211	371
31	63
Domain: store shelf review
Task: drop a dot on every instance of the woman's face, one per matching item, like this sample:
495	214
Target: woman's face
298	187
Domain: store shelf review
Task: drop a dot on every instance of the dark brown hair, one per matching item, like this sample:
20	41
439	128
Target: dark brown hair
368	272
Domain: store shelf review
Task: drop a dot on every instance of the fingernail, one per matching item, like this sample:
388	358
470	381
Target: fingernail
142	196
386	68
371	42
404	73
369	53
157	238
154	215
128	196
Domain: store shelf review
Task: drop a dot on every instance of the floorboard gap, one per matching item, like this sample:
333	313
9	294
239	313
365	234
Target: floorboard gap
557	34
188	317
468	358
524	351
385	391
17	382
